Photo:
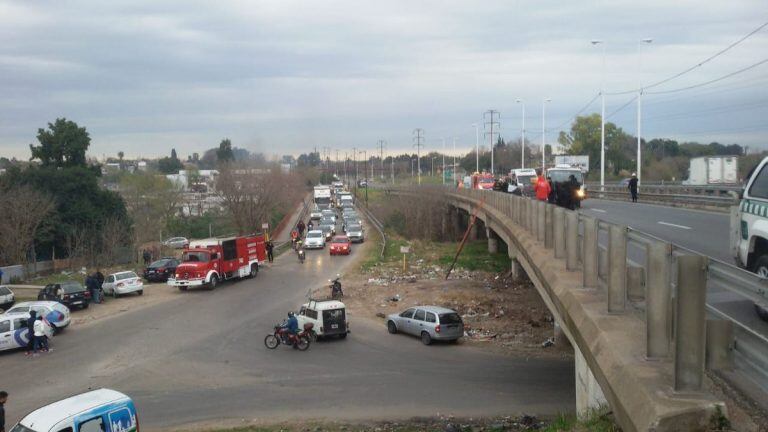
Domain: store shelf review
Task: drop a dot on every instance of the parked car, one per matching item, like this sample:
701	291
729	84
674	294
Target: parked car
101	410
314	240
161	270
7	298
13	330
340	245
46	309
428	322
121	283
329	317
355	233
70	294
177	242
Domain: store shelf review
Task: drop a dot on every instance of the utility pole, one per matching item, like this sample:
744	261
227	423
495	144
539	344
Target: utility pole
602	118
491	119
639	105
418	138
381	144
336	165
522	136
477	148
443	139
354	158
346	178
544	135
454	161
392	167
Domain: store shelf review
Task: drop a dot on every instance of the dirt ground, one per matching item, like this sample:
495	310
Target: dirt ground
153	294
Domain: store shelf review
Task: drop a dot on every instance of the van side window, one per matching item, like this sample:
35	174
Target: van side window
311	313
759	188
93	425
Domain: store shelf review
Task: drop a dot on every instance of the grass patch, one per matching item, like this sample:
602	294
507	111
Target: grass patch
596	421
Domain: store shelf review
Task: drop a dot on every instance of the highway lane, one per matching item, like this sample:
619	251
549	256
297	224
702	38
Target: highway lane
201	358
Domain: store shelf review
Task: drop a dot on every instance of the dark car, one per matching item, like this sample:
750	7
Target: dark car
160	270
71	294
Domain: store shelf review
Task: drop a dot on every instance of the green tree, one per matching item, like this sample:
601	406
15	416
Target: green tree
224	153
63	145
584	139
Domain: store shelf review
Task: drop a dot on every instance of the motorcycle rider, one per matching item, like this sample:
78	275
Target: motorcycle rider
336	291
291	326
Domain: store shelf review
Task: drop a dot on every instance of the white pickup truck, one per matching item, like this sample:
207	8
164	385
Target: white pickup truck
749	227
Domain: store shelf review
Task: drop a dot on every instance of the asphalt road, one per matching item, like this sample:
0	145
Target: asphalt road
201	358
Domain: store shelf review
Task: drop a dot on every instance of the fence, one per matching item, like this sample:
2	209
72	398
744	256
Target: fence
711	197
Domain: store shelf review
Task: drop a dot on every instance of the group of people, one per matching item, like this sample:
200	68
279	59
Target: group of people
93	283
38	340
562	193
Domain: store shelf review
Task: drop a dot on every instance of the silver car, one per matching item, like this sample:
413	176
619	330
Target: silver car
314	240
428	322
177	242
355	233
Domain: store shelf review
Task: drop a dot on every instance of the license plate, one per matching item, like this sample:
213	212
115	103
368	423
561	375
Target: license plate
334	326
77	302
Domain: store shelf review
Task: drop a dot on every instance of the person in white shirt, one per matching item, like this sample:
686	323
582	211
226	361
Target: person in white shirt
41	341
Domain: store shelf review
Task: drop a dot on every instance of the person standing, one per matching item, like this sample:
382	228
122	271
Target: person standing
147	256
39	335
632	186
31	331
541	188
300	227
270	248
3	400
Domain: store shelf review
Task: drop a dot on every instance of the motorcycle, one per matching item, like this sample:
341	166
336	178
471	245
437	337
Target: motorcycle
300	341
335	286
301	255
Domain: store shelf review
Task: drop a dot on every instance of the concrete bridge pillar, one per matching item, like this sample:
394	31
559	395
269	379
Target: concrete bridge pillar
559	335
493	241
589	395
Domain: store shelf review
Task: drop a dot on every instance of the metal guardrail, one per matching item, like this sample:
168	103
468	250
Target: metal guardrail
379	227
593	245
720	196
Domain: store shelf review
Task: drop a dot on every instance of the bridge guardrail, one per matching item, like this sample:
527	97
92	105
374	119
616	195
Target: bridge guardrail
379	227
717	197
639	272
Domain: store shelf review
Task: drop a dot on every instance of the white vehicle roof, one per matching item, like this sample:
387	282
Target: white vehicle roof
321	305
45	418
42	303
524	171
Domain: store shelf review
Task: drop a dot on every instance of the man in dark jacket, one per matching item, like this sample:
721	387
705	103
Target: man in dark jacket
3	399
31	330
92	285
632	186
270	248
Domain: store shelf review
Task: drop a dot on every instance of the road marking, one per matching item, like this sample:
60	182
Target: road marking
598	210
674	225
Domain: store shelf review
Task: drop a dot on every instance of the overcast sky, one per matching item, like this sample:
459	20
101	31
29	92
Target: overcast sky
284	76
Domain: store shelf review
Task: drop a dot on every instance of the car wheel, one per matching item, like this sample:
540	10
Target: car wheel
140	292
343	336
85	305
761	266
391	327
254	271
213	283
762	312
426	339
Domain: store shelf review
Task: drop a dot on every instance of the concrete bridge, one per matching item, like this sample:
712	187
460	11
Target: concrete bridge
640	335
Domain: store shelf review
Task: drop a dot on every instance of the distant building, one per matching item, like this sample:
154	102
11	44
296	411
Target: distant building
285	168
142	166
181	179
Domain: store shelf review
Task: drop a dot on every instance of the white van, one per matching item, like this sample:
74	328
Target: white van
328	316
100	410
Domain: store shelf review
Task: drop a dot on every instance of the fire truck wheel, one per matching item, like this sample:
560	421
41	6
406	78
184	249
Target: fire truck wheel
214	281
254	271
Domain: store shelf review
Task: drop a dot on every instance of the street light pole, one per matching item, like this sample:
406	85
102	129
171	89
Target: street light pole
443	159
522	136
602	118
477	148
544	134
454	161
639	105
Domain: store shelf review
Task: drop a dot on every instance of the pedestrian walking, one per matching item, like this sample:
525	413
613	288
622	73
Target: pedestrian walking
100	281
147	256
92	283
3	400
552	197
270	248
301	228
542	187
38	333
632	186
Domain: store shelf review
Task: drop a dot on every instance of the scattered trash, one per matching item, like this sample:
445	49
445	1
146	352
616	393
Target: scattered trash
395	298
548	343
380	315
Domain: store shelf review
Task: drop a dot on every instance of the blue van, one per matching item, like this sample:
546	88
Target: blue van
100	410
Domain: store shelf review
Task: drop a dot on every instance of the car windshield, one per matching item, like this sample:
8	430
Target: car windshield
72	287
160	263
125	275
558	176
340	240
18	309
4	290
450	318
314	234
195	257
326	227
354	228
525	179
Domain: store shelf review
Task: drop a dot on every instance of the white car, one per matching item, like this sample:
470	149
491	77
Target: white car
177	242
121	283
315	213
13	331
44	308
314	240
7	298
354	232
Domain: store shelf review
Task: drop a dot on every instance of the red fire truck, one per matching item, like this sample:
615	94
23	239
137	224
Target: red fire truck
210	261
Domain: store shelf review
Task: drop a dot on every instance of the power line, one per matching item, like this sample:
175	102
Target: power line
579	112
752	66
710	111
621	108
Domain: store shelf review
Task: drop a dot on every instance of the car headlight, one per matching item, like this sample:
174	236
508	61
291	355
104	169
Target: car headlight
580	193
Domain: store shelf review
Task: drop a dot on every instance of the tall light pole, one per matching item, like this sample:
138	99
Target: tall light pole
544	134
454	161
354	158
346	179
493	122
418	138
443	139
639	103
477	148
432	169
522	136
602	117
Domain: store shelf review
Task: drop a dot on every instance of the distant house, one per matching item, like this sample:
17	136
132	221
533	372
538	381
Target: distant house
142	165
181	179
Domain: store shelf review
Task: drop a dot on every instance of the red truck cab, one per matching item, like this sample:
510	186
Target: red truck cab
209	261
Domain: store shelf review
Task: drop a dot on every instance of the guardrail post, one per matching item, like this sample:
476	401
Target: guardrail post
548	238
540	221
617	269
589	254
559	232
658	297
720	344
531	211
572	240
690	327
635	283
